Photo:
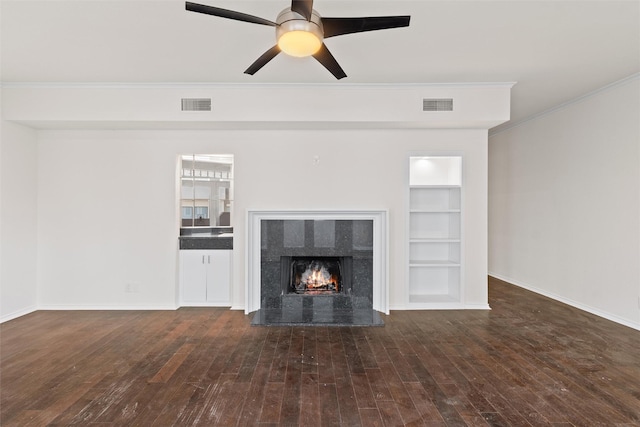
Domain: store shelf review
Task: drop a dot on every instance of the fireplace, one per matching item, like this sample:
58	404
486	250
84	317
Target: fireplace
319	275
358	237
316	271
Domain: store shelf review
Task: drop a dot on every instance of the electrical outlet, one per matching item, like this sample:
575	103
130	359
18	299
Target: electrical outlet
132	287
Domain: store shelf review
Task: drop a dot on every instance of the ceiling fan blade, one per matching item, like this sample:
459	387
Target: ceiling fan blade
326	58
263	60
303	7
225	13
339	26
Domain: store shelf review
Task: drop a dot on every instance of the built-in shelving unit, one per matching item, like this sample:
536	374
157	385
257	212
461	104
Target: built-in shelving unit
434	231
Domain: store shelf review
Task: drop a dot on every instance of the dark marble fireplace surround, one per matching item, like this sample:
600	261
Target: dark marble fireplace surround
281	240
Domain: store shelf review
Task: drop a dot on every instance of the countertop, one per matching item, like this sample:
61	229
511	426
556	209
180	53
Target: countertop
206	238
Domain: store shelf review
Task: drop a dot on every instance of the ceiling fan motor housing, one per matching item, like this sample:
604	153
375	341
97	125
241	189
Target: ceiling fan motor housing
290	23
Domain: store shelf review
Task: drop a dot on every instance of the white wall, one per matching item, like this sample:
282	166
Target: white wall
107	212
283	106
564	205
18	244
106	217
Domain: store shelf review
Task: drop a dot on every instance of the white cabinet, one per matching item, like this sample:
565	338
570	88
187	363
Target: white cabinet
434	233
205	277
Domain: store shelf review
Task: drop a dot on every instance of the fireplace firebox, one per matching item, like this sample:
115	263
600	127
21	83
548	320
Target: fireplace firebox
319	275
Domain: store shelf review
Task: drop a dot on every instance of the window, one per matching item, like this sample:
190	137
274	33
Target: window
187	212
206	189
202	212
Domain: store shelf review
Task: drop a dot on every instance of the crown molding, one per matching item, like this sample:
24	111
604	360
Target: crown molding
206	85
510	125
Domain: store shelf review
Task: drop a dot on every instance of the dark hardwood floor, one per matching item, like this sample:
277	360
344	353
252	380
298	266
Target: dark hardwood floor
528	362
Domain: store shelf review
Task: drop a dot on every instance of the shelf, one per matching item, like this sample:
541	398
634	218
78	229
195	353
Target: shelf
434	211
434	225
434	216
433	240
205	179
433	186
433	263
436	200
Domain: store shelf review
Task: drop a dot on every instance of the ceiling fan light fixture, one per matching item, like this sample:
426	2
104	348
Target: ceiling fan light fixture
296	36
299	43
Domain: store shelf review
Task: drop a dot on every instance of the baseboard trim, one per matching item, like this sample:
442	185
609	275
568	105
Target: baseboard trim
108	307
18	313
477	307
572	303
206	304
440	306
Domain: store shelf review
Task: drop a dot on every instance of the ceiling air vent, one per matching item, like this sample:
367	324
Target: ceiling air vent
440	104
196	104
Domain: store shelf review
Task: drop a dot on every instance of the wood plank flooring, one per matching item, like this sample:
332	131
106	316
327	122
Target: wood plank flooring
529	361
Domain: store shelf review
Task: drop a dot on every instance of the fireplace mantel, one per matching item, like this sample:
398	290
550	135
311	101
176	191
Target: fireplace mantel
380	249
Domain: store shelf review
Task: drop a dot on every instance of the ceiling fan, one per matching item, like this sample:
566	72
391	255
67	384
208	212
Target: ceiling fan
300	31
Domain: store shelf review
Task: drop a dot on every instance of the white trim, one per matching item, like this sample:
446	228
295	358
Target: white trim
108	307
511	125
568	301
477	307
206	304
442	306
18	313
380	249
185	85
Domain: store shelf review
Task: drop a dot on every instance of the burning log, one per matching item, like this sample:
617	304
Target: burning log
317	276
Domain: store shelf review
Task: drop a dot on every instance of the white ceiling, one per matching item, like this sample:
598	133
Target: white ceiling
555	50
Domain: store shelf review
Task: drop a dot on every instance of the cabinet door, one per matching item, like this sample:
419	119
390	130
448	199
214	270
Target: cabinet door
194	275
219	276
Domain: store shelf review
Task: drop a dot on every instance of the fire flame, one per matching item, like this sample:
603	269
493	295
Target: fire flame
319	278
